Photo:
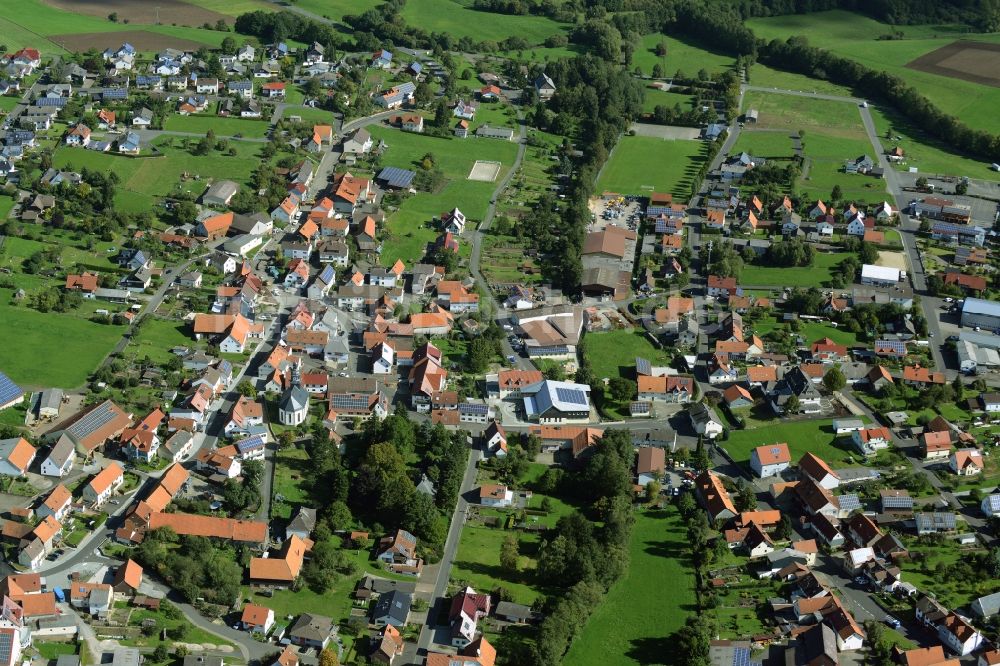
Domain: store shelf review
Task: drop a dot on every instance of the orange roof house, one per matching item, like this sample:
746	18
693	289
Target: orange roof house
128	577
15	456
248	531
216	226
284	569
87	283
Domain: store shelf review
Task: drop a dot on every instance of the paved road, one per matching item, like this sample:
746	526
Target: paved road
450	549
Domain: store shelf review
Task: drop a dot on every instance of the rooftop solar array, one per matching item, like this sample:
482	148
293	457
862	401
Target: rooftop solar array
255	442
9	391
639	408
643	366
571	396
396	177
349	401
895	345
548	351
935	521
741	656
849	502
473	408
897	502
327	275
993	502
92	422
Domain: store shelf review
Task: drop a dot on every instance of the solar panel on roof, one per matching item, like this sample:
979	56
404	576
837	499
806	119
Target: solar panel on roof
253	442
572	396
849	502
92	421
351	402
741	657
9	391
897	502
327	275
639	408
547	351
643	366
473	408
396	177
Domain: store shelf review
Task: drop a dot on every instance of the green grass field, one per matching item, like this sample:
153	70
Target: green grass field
235	7
925	153
762	75
310	115
767	144
655	97
290	465
795	113
687	57
409	226
644	608
477	562
815	436
810	331
855	36
144	178
827	152
458	19
806	276
613	353
51	350
156	337
222	126
641	164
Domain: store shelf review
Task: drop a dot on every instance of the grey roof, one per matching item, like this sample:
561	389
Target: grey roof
62	451
222	190
815	644
987	606
311	627
548	395
71	660
126	657
394	605
849	502
304	521
934	522
426	486
294	399
980	306
510	609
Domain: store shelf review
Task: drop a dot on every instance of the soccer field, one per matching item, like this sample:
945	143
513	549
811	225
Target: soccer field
641	164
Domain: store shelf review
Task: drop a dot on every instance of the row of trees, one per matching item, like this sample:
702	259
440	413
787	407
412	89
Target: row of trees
581	555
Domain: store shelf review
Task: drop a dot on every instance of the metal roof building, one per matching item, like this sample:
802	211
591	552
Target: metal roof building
982	313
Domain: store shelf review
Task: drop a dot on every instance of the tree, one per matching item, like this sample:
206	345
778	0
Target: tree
247	389
653	488
422	94
161	654
621	389
834	379
442	116
837	194
661	49
690	643
229	45
480	353
113	17
961	188
921	183
328	657
657	71
509	553
793	405
746	498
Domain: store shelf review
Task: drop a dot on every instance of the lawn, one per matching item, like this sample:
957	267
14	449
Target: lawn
802	437
409	227
634	623
235	7
309	115
222	126
855	36
72	346
613	354
810	331
826	152
477	562
655	97
641	164
766	144
924	571
290	466
459	20
924	152
764	76
687	57
145	178
793	113
53	649
156	337
192	634
807	276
